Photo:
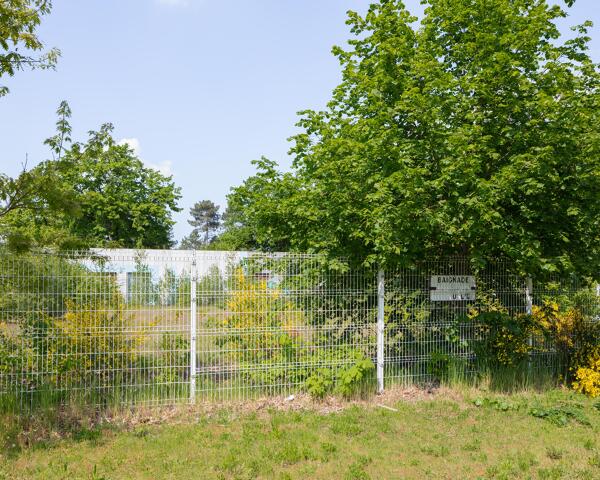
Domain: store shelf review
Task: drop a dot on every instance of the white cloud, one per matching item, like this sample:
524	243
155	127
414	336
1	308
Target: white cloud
164	167
133	143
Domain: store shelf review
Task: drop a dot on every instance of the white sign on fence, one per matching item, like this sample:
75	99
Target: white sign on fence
448	288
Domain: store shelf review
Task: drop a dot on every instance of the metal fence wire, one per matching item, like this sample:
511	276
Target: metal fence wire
154	327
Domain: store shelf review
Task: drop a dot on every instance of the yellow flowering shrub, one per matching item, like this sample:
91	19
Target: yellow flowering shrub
269	339
574	336
577	342
263	325
501	339
92	341
587	378
558	325
253	304
486	302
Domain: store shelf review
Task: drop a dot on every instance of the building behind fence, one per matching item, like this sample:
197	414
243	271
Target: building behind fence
153	327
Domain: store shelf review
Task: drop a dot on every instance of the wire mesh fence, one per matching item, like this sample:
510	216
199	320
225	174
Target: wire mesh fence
99	328
152	327
429	326
267	322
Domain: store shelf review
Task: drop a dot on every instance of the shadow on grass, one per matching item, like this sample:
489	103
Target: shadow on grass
45	428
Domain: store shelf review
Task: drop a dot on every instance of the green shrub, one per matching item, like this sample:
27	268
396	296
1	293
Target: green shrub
354	380
210	287
320	383
35	284
16	364
561	415
438	366
90	345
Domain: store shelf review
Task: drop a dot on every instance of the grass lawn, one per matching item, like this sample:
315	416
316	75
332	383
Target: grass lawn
453	434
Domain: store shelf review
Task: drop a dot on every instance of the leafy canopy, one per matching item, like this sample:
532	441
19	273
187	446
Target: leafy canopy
92	194
33	204
122	202
259	212
474	132
29	206
18	40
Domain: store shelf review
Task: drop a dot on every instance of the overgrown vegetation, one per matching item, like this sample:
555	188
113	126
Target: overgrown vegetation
85	344
469	131
467	434
68	336
274	342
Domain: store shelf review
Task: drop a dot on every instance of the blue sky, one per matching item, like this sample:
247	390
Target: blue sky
199	87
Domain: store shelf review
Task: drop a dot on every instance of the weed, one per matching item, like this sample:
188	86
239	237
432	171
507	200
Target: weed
472	446
356	471
85	434
347	423
291	453
561	414
254	468
328	449
497	404
512	466
96	476
141	432
319	383
589	444
436	450
553	473
230	462
554	453
355	379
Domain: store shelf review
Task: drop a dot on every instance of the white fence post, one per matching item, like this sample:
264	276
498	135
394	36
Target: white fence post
193	275
380	328
529	311
529	296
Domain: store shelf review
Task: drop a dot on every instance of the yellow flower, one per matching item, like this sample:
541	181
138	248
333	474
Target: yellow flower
588	378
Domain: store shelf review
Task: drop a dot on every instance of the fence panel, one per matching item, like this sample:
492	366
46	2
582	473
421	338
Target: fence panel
433	331
106	327
151	327
267	322
430	327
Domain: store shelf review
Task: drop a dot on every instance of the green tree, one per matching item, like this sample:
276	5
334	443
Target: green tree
122	202
34	204
473	133
30	206
260	212
96	194
19	42
206	221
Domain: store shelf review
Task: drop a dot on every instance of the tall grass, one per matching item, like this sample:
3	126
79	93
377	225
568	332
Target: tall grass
538	373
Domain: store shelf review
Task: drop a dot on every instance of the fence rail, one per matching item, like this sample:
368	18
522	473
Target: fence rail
153	327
